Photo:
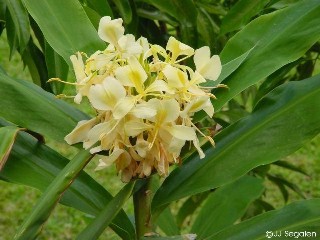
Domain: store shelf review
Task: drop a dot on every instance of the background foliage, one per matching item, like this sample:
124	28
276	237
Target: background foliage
269	52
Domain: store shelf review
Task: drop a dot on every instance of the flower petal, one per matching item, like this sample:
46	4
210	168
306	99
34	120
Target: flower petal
158	86
168	110
106	161
143	110
175	77
106	95
123	106
110	30
129	47
209	68
200	103
132	75
178	48
135	127
182	132
80	132
78	66
97	132
197	146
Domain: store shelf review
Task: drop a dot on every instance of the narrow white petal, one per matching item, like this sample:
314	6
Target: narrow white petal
158	86
201	57
197	146
123	106
110	30
135	127
209	68
106	95
182	132
78	66
106	161
175	77
80	132
143	110
213	69
178	48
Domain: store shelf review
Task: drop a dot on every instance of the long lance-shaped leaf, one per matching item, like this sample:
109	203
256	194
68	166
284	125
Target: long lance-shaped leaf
34	164
21	22
185	12
28	106
280	124
226	205
296	217
179	237
32	226
8	135
65	26
97	226
240	14
124	9
278	38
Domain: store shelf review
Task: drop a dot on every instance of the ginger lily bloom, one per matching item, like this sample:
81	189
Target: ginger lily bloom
208	67
110	30
144	99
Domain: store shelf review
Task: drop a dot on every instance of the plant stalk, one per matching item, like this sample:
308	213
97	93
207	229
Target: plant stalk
142	209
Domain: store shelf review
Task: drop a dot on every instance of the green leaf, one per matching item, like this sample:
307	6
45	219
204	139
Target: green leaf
97	226
228	68
190	206
207	28
21	22
34	59
32	226
12	36
287	165
8	135
226	205
101	6
34	164
166	6
57	68
282	181
124	9
298	216
273	48
167	223
93	16
266	135
156	15
35	109
180	237
60	23
188	19
240	14
183	11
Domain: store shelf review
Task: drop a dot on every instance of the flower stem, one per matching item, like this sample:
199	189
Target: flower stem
142	209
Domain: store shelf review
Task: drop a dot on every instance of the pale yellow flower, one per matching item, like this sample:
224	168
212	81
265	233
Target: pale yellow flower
110	30
208	67
145	100
178	48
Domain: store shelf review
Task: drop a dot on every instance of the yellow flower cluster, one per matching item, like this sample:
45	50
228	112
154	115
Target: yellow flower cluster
145	99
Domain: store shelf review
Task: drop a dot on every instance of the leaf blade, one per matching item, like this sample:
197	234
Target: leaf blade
268	35
97	226
59	21
293	217
226	205
36	109
270	130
